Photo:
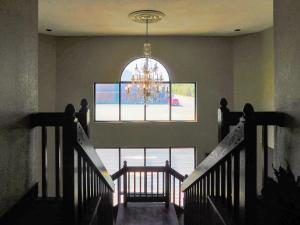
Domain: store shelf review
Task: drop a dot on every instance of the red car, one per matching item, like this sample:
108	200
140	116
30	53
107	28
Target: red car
175	102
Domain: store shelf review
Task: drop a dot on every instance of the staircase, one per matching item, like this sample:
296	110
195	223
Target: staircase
137	213
221	190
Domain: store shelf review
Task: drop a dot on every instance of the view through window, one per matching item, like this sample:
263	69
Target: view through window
181	159
112	103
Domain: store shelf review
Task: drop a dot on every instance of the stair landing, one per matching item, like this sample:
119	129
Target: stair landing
146	214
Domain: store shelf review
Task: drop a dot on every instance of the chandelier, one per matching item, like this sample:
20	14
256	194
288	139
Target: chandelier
147	80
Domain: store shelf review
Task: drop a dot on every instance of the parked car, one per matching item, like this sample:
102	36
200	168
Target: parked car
175	102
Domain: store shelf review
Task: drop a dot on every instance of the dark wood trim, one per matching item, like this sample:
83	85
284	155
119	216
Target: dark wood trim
20	206
232	142
220	210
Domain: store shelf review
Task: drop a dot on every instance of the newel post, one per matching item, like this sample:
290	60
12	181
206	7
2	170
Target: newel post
223	126
250	164
125	183
69	139
167	184
84	116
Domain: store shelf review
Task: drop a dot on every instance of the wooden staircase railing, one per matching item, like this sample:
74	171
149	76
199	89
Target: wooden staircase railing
149	184
86	185
223	187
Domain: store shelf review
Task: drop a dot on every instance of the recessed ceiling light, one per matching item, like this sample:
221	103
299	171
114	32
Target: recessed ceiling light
237	30
49	30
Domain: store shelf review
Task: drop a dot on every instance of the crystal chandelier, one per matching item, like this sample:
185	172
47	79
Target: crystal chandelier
147	81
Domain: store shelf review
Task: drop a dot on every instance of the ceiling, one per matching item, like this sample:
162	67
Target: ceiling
183	17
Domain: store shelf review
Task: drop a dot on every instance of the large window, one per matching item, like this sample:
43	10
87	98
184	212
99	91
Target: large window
176	103
181	159
113	104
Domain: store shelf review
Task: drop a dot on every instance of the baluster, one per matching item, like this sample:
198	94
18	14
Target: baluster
266	152
57	162
163	183
88	183
229	182
236	184
179	194
167	184
125	184
151	184
212	187
84	192
208	184
128	181
174	189
44	163
92	183
217	181
140	183
204	191
134	177
79	173
157	183
198	202
223	172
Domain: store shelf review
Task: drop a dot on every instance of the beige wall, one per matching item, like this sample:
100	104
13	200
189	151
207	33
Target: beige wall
18	98
253	71
287	79
207	61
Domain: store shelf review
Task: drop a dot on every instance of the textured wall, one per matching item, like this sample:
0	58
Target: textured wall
18	97
287	78
207	61
47	88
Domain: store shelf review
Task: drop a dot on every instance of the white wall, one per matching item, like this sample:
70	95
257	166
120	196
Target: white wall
207	61
18	98
287	79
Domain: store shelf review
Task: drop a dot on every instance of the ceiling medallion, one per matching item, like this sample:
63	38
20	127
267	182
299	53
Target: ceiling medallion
147	81
144	16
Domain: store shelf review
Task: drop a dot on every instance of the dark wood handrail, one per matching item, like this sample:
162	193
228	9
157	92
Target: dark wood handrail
84	145
229	144
86	185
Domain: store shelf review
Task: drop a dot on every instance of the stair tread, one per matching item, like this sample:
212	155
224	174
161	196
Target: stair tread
146	214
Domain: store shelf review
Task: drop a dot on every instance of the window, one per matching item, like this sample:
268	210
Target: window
181	159
183	101
107	102
112	103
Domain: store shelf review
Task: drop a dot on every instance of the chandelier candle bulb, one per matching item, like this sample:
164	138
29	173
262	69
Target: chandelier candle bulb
147	82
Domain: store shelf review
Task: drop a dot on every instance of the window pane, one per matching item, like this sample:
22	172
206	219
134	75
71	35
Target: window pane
132	105
130	69
183	101
133	156
159	107
110	158
107	102
183	160
157	156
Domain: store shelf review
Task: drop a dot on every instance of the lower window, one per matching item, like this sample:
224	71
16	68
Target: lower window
180	159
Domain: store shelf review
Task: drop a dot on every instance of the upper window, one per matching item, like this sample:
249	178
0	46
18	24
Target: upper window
130	68
177	101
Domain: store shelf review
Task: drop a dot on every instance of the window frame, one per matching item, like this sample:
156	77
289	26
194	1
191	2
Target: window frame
145	153
195	120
